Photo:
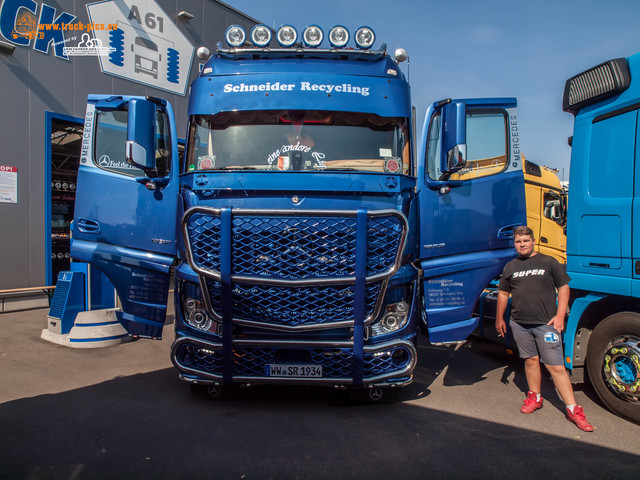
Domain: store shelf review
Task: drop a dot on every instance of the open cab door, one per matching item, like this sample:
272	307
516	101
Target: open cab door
126	204
471	197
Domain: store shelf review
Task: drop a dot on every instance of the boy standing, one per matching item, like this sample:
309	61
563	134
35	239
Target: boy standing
536	321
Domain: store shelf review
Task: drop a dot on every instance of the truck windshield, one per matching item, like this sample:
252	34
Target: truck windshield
286	140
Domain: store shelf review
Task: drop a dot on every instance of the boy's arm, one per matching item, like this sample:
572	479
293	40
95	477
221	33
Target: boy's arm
563	300
501	306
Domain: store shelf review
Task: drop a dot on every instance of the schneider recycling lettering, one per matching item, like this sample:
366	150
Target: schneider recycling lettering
302	86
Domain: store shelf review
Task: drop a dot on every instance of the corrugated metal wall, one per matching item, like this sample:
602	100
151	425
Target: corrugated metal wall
32	83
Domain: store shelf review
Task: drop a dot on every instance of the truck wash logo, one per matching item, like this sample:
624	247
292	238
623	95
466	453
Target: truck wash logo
20	22
26	26
146	46
551	337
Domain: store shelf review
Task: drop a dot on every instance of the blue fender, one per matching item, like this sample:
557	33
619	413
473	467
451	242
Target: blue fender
577	310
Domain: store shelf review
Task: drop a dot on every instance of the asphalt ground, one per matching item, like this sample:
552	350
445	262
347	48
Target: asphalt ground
122	413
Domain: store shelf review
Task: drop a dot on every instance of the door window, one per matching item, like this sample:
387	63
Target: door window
487	147
111	137
554	208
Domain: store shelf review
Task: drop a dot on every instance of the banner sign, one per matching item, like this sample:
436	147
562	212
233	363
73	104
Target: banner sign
147	46
8	184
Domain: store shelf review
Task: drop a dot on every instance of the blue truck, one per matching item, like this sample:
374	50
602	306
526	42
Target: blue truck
602	336
308	235
603	236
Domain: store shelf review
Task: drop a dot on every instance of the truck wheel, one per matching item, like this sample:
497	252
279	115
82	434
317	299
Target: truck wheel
613	363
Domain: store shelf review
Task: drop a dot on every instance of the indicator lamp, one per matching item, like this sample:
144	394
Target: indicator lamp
261	35
365	37
312	36
338	36
287	36
235	36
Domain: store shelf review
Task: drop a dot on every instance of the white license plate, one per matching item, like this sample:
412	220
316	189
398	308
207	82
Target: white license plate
297	371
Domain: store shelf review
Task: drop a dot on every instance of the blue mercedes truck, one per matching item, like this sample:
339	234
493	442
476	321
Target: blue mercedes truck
603	233
308	235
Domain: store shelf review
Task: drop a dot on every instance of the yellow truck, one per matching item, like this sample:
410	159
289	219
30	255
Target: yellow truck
546	209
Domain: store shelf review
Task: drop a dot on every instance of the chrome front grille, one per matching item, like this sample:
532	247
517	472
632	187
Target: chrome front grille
285	247
292	269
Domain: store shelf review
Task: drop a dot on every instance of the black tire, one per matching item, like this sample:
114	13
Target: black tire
613	363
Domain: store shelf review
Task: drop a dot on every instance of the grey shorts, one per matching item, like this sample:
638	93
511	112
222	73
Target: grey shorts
538	340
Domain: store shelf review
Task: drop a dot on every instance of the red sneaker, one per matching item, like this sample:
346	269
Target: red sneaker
578	418
531	403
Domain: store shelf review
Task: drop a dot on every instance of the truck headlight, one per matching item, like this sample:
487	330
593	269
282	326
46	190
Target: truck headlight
394	318
195	314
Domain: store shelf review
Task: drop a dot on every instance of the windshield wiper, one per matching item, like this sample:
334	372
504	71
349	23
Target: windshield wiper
338	169
237	167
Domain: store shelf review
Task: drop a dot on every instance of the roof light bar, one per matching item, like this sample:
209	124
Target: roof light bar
235	36
287	36
338	36
312	36
261	35
365	37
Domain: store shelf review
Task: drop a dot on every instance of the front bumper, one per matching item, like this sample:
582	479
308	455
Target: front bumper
386	364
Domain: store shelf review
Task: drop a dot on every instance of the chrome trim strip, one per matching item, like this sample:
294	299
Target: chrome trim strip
201	381
280	380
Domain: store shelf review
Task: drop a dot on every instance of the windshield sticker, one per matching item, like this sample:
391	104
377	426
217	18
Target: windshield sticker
282	157
286	149
105	162
319	160
392	165
303	87
207	162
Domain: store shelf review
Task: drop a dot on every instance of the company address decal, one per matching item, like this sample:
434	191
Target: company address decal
301	86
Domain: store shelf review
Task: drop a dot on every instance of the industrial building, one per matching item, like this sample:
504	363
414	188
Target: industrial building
51	57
